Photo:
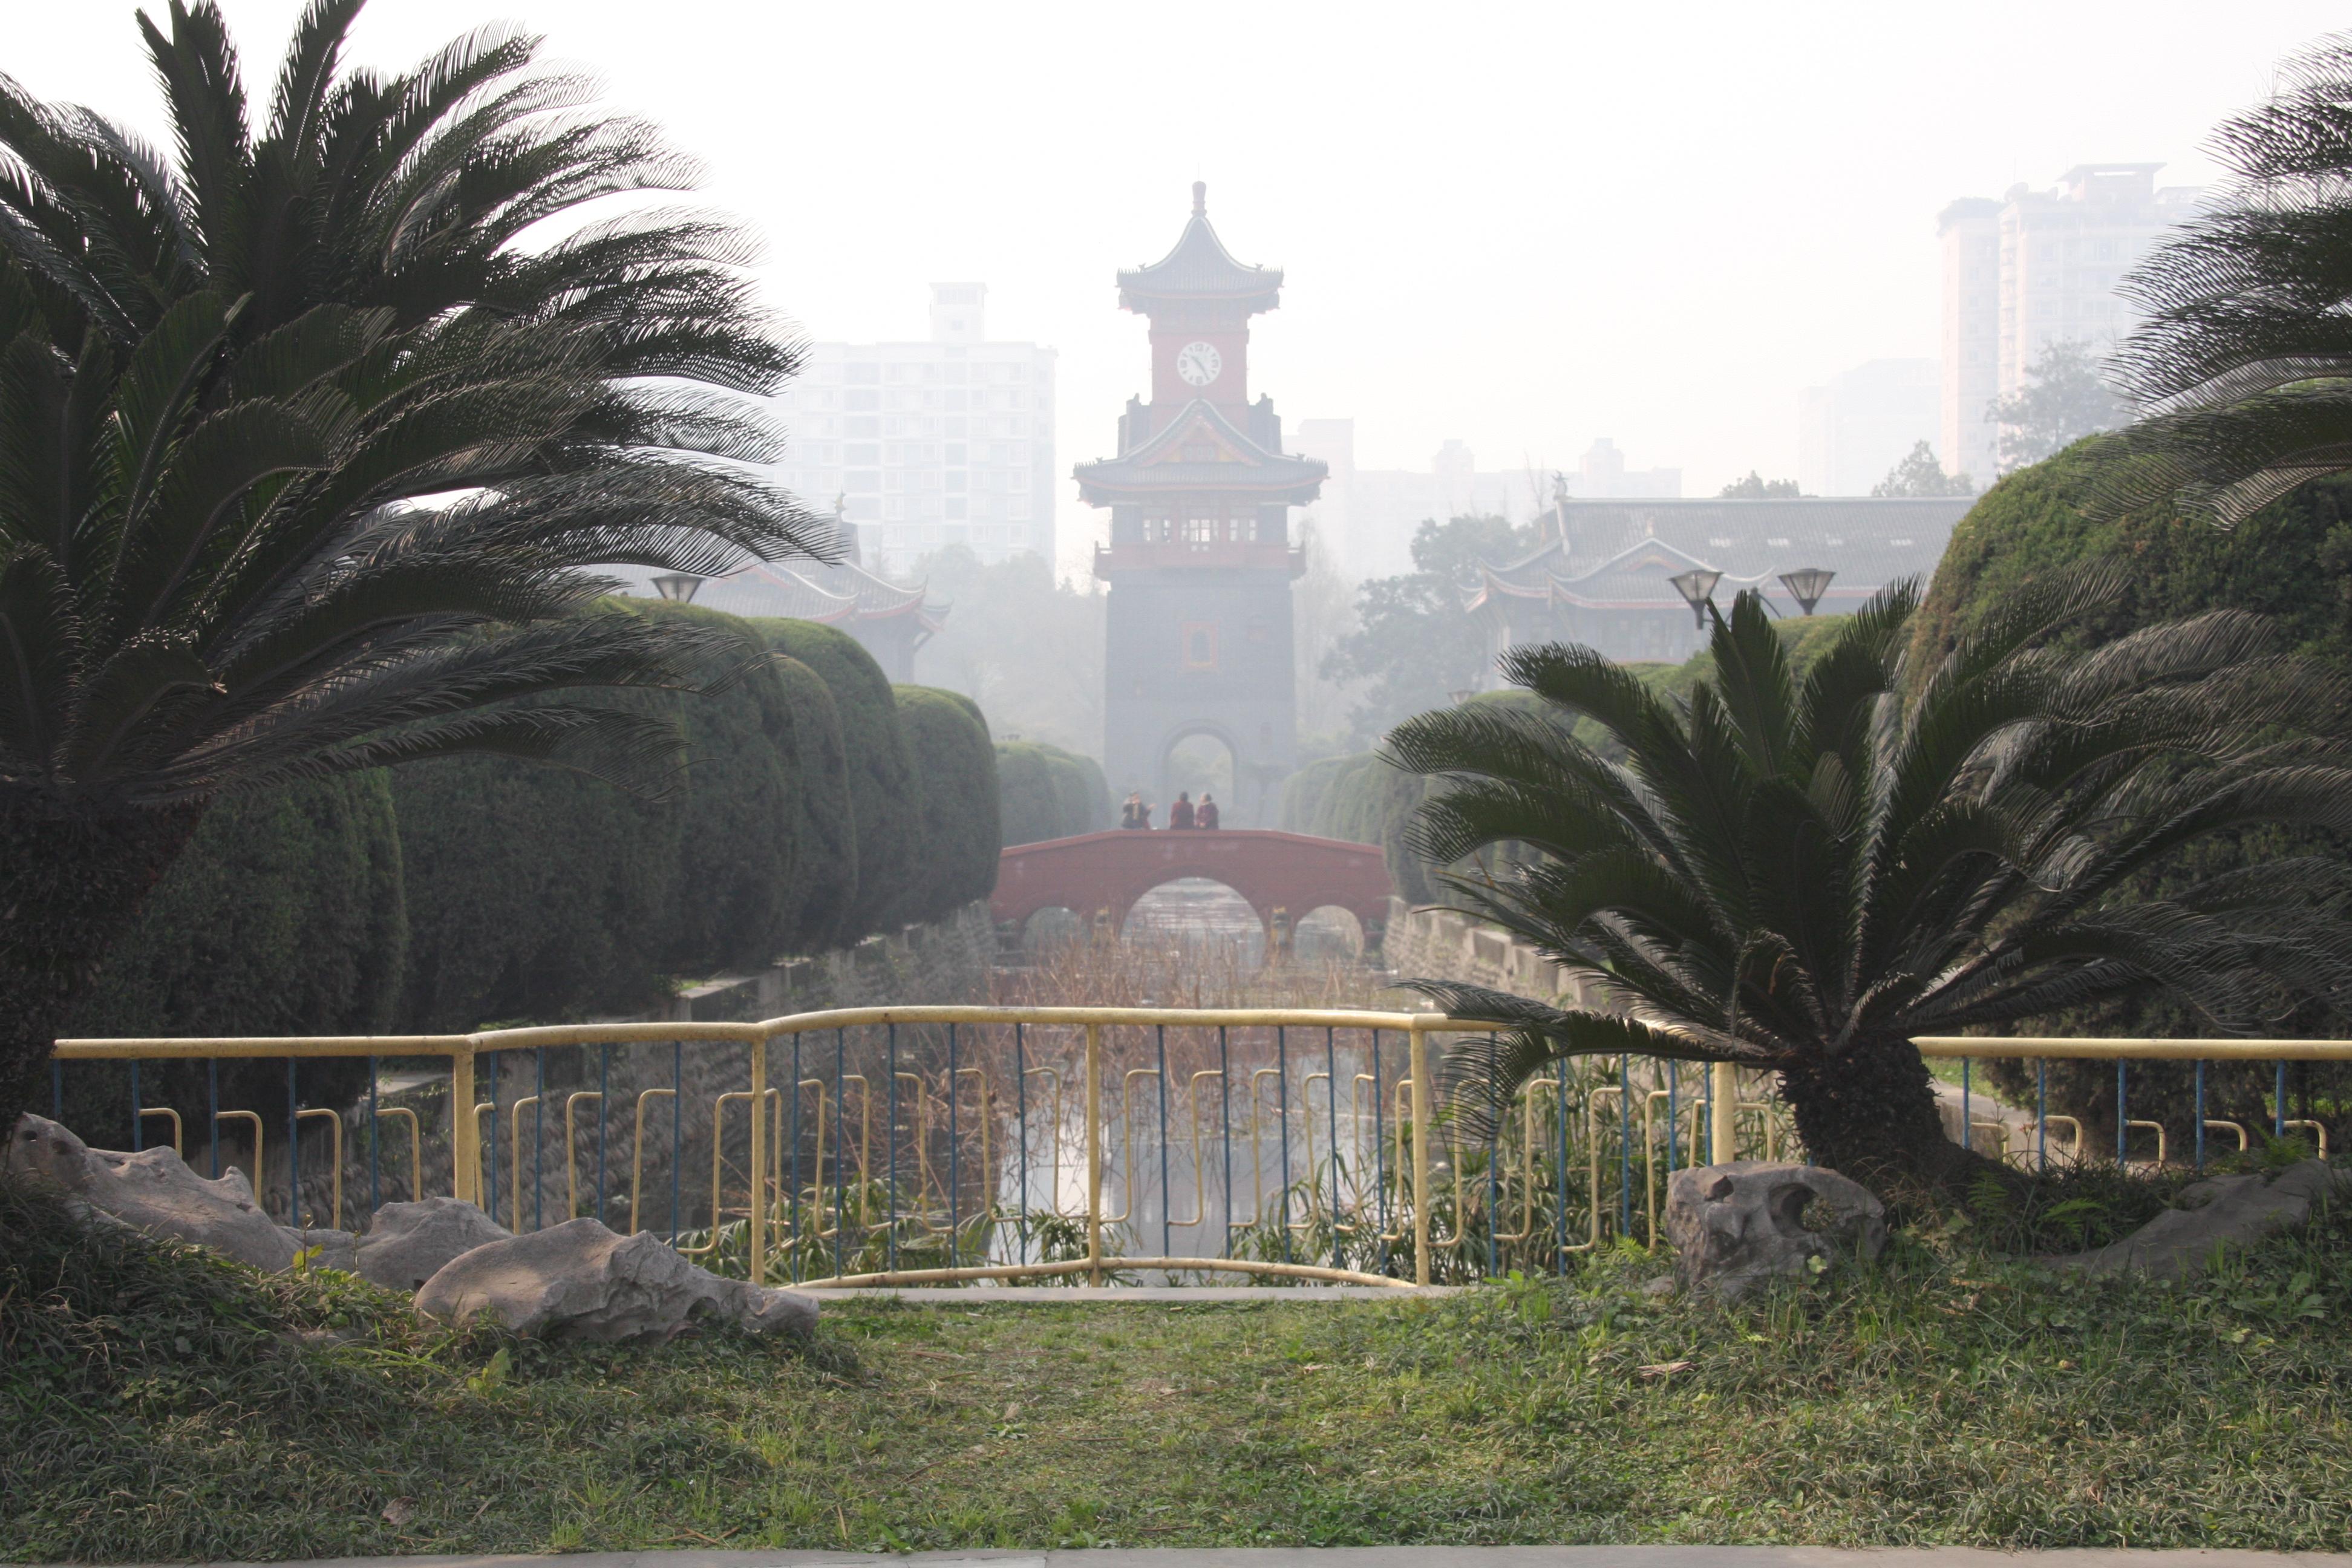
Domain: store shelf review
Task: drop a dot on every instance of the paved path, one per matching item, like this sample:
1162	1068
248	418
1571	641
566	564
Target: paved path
1389	1557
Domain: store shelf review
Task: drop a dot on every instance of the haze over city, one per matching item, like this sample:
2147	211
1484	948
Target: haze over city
1522	228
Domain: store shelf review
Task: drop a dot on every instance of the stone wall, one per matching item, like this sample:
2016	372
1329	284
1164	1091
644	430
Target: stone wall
1432	944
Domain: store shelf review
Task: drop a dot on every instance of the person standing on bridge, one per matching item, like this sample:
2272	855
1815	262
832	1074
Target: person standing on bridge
1135	814
1180	814
1205	818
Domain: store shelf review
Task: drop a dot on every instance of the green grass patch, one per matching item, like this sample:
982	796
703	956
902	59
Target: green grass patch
156	1404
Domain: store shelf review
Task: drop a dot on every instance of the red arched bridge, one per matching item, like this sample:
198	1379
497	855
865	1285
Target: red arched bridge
1108	872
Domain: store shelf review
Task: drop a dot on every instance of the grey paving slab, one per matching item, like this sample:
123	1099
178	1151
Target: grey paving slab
1384	1557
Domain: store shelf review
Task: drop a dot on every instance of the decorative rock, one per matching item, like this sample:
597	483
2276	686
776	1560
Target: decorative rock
154	1191
2214	1215
1740	1225
410	1243
579	1280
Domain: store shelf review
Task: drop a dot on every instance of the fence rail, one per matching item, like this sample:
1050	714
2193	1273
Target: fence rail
932	1144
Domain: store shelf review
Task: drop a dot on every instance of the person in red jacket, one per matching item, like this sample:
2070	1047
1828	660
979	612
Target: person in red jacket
1180	814
1206	816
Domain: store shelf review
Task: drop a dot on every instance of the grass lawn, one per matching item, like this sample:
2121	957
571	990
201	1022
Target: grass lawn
155	1404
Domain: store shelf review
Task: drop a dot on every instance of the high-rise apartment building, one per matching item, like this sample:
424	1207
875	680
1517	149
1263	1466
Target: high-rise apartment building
946	441
1863	422
2034	268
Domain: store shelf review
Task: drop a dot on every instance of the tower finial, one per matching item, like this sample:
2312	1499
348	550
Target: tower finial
1199	198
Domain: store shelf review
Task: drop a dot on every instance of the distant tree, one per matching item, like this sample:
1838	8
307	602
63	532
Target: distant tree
1027	649
1919	474
2240	363
2063	399
1756	487
1413	647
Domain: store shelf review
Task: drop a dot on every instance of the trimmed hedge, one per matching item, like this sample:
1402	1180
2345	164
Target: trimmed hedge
2291	562
955	769
823	897
818	807
884	795
287	914
1048	793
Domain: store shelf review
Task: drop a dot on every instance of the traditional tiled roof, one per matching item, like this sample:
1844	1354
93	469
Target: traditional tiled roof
1619	555
1170	462
839	594
1200	268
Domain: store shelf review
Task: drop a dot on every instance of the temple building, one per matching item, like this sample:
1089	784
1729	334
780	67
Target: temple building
1199	561
1602	573
889	620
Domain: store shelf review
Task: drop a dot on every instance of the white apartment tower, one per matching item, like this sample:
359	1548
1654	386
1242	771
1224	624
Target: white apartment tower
2034	268
924	444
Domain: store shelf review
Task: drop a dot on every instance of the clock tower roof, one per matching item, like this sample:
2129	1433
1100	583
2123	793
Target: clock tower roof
1199	269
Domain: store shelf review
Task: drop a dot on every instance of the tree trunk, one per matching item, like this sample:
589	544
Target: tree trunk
1870	1114
71	881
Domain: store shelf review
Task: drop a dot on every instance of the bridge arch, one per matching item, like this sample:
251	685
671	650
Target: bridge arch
1290	873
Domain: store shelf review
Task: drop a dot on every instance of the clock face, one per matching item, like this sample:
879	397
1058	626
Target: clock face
1198	364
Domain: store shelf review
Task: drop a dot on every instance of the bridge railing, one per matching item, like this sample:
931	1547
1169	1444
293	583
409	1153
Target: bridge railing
922	1145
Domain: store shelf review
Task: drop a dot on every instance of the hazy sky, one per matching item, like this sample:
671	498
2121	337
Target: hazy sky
1521	225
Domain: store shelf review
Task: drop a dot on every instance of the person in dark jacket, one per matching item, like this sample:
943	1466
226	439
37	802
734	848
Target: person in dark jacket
1180	814
1135	814
1205	815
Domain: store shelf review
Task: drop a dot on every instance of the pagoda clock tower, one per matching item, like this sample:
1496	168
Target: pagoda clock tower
1199	561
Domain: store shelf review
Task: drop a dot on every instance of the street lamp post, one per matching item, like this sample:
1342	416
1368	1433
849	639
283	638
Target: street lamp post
1697	588
1806	584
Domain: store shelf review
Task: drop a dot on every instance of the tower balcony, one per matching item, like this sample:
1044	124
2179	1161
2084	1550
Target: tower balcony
1182	555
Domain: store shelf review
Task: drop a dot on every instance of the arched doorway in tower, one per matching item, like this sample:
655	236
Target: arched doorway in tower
1197	763
1205	918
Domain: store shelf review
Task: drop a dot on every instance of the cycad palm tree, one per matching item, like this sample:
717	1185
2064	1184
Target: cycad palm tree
1800	875
308	445
2242	362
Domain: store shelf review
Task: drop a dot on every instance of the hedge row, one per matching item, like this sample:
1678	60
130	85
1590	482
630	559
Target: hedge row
2291	562
1048	792
818	807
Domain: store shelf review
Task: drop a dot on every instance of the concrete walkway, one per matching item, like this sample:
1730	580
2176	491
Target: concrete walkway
1390	1557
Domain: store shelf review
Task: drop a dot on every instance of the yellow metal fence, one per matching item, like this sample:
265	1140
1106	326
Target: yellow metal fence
915	1145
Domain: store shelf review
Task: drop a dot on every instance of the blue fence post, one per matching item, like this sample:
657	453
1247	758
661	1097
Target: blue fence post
1625	1146
1225	1136
955	1213
1559	1180
603	1085
57	1091
2201	1116
1282	1119
375	1152
212	1110
1021	1095
1494	1189
2278	1104
841	1151
293	1144
676	1131
792	1123
138	1120
538	1139
890	1124
490	1076
1968	1115
1380	1161
2120	1113
2041	1112
1331	1111
1674	1111
1167	1200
